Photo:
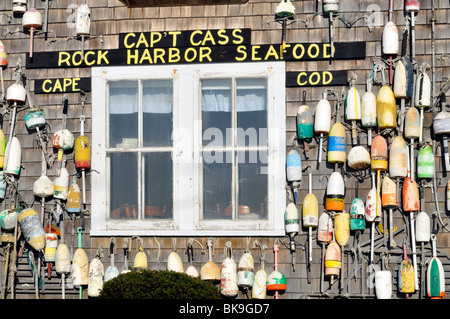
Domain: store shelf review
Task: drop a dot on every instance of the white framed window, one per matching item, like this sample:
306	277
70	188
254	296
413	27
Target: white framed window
188	150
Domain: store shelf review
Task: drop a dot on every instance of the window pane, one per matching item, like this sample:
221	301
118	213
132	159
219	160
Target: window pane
123	185
157	107
123	114
158	185
216	111
217	179
252	188
251	112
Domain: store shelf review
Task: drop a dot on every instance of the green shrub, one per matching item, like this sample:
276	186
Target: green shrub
150	284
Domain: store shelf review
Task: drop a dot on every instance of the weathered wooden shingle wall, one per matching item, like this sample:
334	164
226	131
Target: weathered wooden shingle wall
110	17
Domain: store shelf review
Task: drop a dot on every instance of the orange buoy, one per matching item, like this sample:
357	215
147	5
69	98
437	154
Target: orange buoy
410	196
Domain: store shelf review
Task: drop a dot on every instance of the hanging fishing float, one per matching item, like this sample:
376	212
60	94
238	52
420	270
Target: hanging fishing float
305	130
435	275
406	280
228	273
379	162
412	132
333	262
35	120
80	266
389	201
357	214
260	283
310	210
174	262
140	259
96	273
331	7
63	264
82	150
412	7
276	281
383	284
83	24
390	39
422	97
324	235
32	229
398	158
3	63
342	228
246	270
51	243
292	227
441	127
73	205
285	10
335	193
336	144
425	162
111	271
358	158
19	6
403	82
210	271
411	204
13	154
369	111
353	108
294	171
322	121
386	108
32	19
63	140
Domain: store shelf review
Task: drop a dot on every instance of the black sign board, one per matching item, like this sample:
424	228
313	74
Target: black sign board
63	85
316	78
189	55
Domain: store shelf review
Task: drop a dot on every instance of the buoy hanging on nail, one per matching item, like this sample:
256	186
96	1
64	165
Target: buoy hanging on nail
425	162
19	6
32	229
358	158
383	284
83	24
335	193
32	19
333	262
441	127
228	274
386	108
337	144
398	158
322	121
369	112
342	228
13	154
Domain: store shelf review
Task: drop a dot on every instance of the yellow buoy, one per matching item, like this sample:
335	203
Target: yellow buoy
32	229
342	228
80	268
386	108
140	260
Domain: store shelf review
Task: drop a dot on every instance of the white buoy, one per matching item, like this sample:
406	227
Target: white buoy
96	273
383	284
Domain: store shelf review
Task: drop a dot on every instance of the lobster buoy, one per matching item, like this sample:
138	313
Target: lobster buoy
32	19
61	185
80	268
285	9
140	260
228	274
291	219
435	279
310	211
83	21
389	193
336	144
325	228
441	127
96	273
32	229
322	121
412	123
422	97
276	281
353	110
425	162
260	283
383	284
406	278
246	271
333	260
305	130
210	271
342	228
369	113
34	119
386	108
73	205
390	39
358	158
398	158
335	193
293	166
62	259
63	140
371	205
423	227
13	153
379	154
16	93
410	196
357	213
43	187
8	219
51	243
174	262
19	6
403	78
2	148
331	6
82	153
412	5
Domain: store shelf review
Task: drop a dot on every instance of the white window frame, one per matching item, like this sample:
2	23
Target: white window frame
186	173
